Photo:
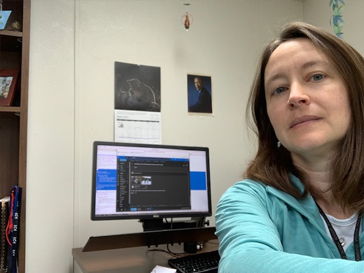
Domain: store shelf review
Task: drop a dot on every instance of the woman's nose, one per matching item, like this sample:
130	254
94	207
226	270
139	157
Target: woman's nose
298	96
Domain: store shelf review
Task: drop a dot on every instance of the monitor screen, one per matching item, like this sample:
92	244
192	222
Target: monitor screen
149	181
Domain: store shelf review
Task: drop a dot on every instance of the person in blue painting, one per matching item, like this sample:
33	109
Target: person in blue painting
299	208
203	104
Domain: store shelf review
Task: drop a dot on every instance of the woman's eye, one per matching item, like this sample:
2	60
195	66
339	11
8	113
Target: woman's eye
279	90
317	77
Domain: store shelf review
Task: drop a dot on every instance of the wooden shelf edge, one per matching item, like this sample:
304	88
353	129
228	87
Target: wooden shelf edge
11	33
10	109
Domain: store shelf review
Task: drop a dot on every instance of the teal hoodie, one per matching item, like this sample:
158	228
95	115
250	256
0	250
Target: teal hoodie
264	230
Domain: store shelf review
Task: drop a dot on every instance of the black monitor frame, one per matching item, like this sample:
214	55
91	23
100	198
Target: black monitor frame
152	221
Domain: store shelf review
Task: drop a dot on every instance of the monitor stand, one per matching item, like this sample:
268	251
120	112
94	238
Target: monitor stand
160	224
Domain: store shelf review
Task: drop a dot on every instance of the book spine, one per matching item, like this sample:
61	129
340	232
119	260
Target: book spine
15	202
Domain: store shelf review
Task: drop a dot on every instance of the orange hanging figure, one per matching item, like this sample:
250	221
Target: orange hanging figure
187	21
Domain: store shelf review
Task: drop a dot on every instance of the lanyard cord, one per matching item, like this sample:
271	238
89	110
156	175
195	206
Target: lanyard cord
336	239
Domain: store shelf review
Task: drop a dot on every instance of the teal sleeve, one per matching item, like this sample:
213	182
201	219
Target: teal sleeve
250	243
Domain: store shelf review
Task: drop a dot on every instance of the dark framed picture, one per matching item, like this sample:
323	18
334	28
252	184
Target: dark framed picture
8	80
199	94
137	87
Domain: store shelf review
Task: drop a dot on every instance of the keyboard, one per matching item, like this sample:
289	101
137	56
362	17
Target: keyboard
206	262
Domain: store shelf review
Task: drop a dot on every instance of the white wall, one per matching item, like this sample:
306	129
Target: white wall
74	44
50	163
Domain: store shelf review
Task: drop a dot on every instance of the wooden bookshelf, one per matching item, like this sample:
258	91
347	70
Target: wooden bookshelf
14	53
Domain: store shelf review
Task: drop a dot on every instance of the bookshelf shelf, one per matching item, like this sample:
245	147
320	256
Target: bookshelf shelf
14	54
11	109
11	33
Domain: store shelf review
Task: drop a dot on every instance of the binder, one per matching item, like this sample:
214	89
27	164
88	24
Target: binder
4	247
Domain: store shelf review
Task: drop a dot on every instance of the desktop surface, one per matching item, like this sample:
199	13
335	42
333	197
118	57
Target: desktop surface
132	260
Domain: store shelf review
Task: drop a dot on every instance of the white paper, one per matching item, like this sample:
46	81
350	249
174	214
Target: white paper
162	269
137	127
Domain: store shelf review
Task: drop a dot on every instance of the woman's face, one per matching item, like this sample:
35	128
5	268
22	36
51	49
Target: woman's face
307	101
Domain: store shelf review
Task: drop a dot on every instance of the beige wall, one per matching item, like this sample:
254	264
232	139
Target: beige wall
74	44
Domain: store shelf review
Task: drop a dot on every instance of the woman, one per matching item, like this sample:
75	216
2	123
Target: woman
299	208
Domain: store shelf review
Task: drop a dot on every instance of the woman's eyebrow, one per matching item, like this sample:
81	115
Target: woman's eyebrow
272	78
305	65
312	63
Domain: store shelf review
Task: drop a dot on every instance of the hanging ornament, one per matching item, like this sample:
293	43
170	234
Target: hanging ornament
187	18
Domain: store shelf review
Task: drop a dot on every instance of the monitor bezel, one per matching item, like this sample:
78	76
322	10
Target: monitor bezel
138	216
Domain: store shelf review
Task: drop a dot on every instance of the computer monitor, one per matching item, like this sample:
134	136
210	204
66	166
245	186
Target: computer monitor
150	182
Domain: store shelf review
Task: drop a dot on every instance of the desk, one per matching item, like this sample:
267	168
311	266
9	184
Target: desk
128	260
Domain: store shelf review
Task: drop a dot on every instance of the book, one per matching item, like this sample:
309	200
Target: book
13	229
4	16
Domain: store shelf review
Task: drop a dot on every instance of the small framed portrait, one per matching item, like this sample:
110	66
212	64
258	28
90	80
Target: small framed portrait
8	81
199	94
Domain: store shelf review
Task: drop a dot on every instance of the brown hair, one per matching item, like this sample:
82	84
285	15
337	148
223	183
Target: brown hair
272	165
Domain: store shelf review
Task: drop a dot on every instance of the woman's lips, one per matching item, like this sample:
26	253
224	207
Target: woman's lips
302	119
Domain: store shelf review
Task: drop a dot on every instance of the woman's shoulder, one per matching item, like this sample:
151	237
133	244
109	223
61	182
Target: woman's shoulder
252	186
247	185
246	191
248	199
258	194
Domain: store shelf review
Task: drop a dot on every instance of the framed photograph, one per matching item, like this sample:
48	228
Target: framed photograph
8	80
199	94
137	87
